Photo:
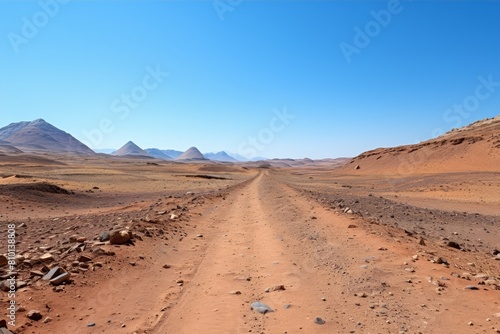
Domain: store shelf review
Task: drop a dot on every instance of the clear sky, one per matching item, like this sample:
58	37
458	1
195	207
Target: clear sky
270	78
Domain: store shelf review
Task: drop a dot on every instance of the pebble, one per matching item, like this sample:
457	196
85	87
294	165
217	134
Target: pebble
261	308
34	315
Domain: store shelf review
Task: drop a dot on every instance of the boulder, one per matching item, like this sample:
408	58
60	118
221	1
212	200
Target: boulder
120	237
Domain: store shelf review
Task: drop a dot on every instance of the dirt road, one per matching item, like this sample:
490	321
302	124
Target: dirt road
236	243
265	235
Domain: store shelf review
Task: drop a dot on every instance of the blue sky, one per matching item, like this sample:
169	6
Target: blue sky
348	76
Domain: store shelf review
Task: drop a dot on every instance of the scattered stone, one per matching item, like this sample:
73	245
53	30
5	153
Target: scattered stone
34	315
454	244
119	237
58	289
47	257
319	321
60	279
471	287
38	273
83	258
3	260
261	308
54	272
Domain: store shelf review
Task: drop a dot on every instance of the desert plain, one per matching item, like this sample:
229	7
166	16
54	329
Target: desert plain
387	242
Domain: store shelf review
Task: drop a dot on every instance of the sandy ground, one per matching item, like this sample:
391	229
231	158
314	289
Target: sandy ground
383	267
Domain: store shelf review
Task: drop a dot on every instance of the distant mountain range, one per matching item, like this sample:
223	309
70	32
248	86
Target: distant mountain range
38	136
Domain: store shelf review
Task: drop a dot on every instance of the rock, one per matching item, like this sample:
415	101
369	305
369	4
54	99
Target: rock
319	321
352	226
357	167
454	244
166	266
471	287
4	330
440	260
104	236
47	257
47	320
180	282
174	217
495	252
119	237
34	315
280	287
83	258
261	308
81	239
199	235
60	279
54	272
422	242
3	260
92	324
237	292
35	273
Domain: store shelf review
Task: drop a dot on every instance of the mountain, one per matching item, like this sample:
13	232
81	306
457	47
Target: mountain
192	154
220	156
172	153
475	147
158	154
131	149
40	136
